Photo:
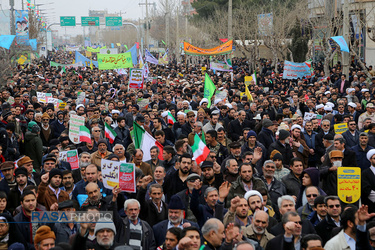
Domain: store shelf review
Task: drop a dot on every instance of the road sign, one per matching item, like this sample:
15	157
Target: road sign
90	21
113	21
67	21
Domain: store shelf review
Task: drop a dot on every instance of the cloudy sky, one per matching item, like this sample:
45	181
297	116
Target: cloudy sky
129	9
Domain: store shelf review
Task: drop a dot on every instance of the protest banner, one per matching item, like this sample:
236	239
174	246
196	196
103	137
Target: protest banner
22	26
66	66
79	58
221	67
116	61
340	128
248	80
221	94
118	174
349	184
294	70
222	49
81	98
136	79
127	177
74	123
70	156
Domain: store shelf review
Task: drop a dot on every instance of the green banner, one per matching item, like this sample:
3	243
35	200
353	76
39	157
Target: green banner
115	61
97	50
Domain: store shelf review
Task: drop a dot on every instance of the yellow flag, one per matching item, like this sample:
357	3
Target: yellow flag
118	44
91	65
248	94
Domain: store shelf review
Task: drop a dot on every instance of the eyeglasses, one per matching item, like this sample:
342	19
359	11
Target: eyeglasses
45	119
336	205
352	124
298	222
325	125
311	195
213	156
96	130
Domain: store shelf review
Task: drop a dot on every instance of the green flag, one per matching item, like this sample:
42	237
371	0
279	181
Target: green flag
209	89
163	42
126	47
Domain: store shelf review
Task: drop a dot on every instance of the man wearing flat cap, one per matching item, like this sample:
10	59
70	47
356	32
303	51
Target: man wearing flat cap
63	231
328	173
27	163
9	181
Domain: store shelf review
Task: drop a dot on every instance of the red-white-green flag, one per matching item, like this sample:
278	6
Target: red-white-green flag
200	150
170	118
84	134
109	133
144	141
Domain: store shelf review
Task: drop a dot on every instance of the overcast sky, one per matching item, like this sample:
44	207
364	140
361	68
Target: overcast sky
129	9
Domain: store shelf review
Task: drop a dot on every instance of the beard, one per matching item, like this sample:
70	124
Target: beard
84	164
209	178
175	220
105	244
93	202
257	230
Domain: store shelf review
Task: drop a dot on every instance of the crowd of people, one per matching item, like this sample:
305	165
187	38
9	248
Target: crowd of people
268	182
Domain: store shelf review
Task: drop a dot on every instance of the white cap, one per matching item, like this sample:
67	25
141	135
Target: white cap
330	104
257	117
327	92
164	114
327	108
365	90
185	101
217	101
181	113
203	101
351	90
296	126
319	106
229	105
352	104
370	153
80	105
115	111
250	193
221	88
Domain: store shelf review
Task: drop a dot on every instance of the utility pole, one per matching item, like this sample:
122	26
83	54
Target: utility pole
147	24
345	30
167	23
177	36
12	19
230	19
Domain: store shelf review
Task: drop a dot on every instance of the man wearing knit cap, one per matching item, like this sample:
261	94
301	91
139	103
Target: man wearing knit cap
176	210
44	238
282	145
280	171
50	194
16	192
368	183
101	153
105	232
257	148
266	135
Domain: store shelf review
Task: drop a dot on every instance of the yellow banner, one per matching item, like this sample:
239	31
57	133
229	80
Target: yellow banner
340	128
224	48
88	53
248	80
97	50
349	184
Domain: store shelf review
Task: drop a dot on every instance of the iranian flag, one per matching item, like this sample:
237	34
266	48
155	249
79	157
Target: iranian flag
200	150
109	133
144	141
84	134
170	118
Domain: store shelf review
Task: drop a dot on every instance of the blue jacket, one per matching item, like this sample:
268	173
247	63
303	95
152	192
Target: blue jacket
350	140
362	161
160	230
79	193
204	212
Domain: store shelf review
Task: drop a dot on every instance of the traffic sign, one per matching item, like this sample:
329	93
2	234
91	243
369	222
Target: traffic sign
67	21
113	21
90	21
